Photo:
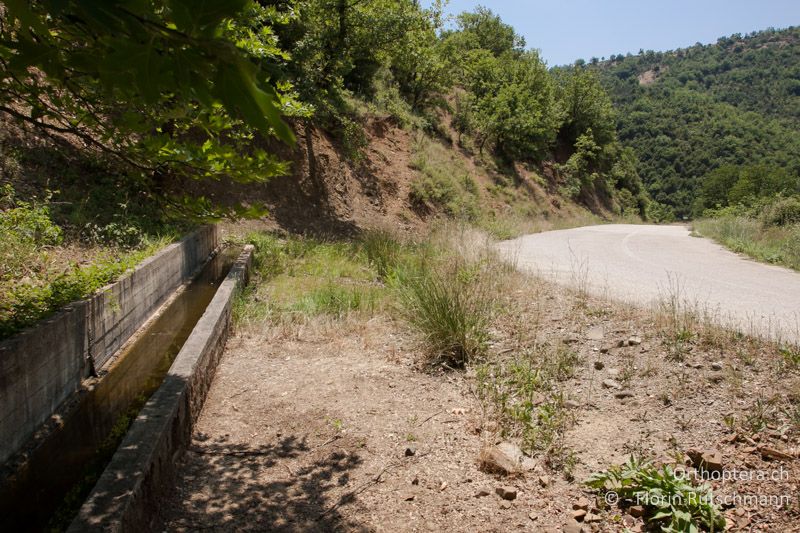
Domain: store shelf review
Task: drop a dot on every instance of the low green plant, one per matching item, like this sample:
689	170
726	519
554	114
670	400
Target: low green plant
444	183
672	503
773	239
791	355
26	229
523	394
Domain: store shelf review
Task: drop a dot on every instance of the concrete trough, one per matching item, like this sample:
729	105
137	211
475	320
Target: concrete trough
43	367
129	489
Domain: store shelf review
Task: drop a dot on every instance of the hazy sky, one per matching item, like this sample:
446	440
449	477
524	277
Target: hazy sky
566	30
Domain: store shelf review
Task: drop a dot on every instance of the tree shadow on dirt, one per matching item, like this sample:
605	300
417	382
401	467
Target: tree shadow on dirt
229	487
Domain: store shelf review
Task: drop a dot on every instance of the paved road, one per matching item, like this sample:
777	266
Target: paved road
644	264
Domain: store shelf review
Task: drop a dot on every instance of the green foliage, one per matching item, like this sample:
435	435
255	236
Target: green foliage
444	182
483	30
167	87
25	229
671	501
706	107
28	222
745	185
658	212
587	107
782	212
511	104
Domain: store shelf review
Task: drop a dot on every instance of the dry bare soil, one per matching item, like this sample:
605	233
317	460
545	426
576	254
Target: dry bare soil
340	424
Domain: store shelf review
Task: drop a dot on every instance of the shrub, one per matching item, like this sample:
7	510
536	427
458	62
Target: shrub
782	212
24	229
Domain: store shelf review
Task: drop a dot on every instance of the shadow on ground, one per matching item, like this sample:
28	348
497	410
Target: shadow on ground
228	487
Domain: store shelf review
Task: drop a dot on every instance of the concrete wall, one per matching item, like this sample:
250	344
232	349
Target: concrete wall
116	312
130	487
43	366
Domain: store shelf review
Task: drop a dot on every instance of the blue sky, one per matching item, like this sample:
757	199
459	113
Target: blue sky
566	30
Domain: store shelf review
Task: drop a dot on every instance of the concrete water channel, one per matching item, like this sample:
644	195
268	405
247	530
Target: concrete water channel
47	490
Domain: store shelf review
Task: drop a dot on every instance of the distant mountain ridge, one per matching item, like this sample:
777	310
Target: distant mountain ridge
689	111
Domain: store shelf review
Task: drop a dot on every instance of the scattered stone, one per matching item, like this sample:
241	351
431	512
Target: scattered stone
443	486
544	481
634	340
579	514
408	496
636	511
622	344
411	451
494	460
482	493
571	339
710	460
774	454
582	504
591	517
573	527
507	493
598	365
595	334
605	349
571	404
628	521
623	394
533	516
512	451
505	504
415	481
613	372
611	384
716	366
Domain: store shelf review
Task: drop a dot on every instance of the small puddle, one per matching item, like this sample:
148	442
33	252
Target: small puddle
48	491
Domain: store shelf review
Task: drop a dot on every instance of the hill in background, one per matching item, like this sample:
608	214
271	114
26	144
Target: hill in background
690	111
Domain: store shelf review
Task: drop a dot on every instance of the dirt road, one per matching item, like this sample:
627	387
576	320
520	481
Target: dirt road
644	264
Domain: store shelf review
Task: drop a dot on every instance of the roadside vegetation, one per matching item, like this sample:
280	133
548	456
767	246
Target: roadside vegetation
754	210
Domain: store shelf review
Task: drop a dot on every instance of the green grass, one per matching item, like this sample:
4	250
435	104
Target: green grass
444	182
451	307
771	244
297	278
447	299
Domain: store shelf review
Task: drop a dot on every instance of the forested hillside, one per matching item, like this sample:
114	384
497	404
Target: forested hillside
689	112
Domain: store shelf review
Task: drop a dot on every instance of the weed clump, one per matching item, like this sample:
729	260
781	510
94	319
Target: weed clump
670	499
